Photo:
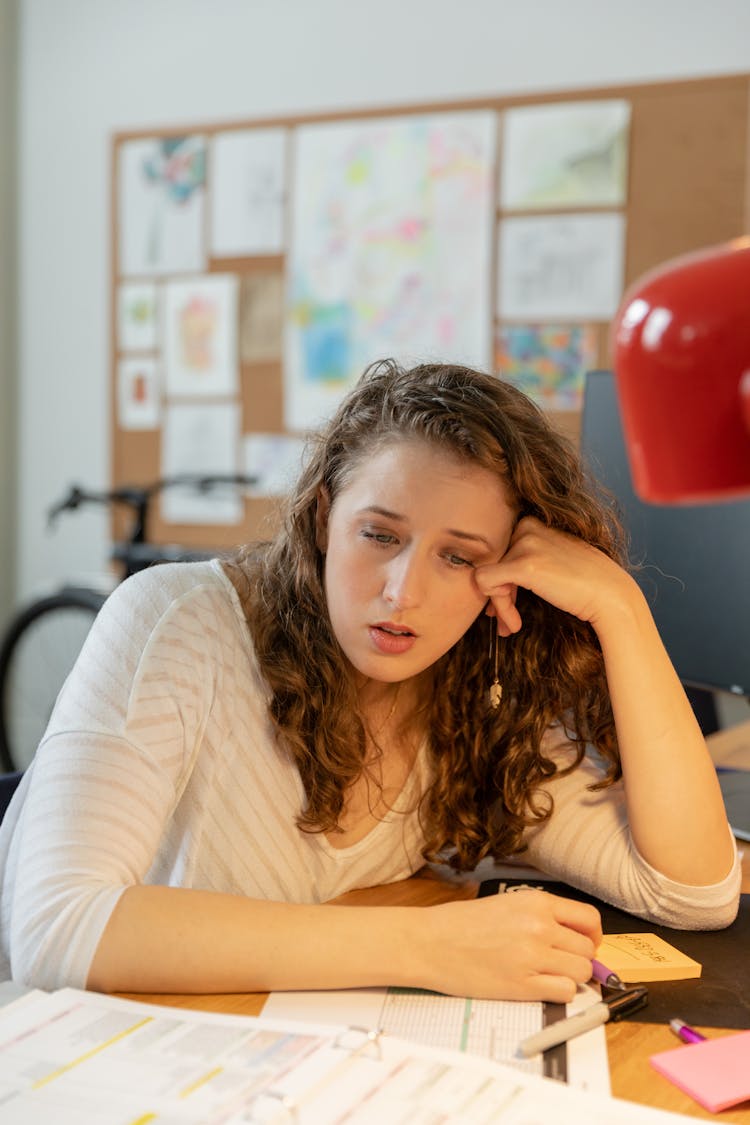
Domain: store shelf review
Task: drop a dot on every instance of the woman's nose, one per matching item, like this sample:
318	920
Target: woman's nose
404	585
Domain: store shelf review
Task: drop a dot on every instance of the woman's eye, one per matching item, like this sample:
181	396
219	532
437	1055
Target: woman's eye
382	538
458	560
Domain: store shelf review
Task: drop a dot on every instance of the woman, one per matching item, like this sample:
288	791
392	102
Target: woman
439	656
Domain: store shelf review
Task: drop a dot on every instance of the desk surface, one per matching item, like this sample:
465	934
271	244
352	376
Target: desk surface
731	747
630	1044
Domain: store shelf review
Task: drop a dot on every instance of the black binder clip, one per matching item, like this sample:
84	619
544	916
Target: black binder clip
627	1002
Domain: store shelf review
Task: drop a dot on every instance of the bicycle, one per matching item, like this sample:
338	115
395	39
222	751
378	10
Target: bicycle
42	641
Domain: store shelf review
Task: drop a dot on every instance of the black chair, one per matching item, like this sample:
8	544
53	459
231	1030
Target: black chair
8	785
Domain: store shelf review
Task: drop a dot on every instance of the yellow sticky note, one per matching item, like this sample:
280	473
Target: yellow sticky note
640	958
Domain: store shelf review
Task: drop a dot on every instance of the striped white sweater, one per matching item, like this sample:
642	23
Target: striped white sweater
159	766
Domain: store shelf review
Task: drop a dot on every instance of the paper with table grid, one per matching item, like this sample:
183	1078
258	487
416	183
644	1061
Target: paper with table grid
480	1027
487	1028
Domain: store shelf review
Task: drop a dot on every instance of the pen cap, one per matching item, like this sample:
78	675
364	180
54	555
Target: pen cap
623	1004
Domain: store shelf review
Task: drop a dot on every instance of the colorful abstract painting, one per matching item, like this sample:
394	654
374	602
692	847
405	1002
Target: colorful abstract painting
391	250
547	362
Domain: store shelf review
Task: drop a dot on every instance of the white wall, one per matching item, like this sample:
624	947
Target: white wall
8	149
92	67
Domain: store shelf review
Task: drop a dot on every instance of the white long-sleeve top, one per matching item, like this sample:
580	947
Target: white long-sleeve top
160	765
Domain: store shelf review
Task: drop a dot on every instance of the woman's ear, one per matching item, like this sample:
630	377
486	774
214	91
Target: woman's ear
321	519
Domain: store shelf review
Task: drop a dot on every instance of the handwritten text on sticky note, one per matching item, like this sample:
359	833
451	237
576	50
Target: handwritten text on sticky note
645	957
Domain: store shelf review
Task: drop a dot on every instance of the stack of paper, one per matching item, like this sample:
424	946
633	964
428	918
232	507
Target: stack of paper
82	1057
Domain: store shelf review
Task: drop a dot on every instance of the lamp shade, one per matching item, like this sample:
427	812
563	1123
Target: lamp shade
681	355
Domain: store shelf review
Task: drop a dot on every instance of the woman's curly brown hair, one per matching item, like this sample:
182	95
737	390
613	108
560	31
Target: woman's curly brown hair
488	765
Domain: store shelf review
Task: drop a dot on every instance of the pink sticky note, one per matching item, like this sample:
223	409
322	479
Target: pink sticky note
716	1072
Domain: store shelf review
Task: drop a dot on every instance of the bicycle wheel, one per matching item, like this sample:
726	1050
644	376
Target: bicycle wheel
38	651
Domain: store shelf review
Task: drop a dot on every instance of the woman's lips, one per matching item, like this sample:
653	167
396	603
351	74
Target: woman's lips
390	639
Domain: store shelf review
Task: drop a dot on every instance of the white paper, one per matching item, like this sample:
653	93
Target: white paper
201	439
137	316
248	184
200	323
274	459
82	1058
390	251
561	267
161	187
138	393
77	1058
567	154
491	1029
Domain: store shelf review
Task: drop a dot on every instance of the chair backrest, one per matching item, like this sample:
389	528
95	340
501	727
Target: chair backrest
8	785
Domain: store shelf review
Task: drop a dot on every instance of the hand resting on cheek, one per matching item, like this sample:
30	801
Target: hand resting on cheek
561	569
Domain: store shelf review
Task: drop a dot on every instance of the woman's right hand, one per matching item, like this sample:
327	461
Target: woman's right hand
528	945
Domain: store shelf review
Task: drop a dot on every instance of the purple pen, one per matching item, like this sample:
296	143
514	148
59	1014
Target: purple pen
686	1033
606	977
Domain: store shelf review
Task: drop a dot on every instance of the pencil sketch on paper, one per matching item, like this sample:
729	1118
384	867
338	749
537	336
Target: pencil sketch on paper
248	178
560	267
201	438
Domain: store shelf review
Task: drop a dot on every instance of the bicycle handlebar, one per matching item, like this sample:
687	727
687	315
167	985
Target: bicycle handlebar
138	497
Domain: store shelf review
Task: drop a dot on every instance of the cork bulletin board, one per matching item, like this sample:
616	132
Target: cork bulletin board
258	265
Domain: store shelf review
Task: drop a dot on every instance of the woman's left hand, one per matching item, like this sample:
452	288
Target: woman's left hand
670	780
565	571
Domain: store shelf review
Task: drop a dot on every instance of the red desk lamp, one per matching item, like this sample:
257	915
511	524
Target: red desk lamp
681	355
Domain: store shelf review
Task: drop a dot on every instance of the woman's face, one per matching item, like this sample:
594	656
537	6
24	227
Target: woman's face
401	541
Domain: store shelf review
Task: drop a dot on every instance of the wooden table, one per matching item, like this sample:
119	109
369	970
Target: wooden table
731	747
629	1043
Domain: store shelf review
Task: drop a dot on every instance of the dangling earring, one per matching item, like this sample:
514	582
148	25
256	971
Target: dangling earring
496	688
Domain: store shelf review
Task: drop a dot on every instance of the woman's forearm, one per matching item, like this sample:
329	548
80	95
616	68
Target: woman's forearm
168	939
675	808
164	939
